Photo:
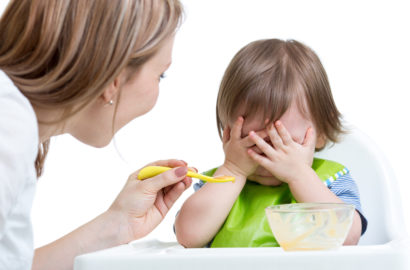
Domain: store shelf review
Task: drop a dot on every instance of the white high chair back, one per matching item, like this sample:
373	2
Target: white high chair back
377	184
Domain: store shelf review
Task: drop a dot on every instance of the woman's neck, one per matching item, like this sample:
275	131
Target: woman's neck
45	130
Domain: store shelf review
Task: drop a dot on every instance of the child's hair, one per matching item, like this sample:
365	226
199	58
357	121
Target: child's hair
63	54
266	76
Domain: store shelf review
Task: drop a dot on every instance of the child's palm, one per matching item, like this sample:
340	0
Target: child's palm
235	148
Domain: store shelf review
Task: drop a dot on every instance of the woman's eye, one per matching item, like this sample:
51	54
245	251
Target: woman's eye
162	76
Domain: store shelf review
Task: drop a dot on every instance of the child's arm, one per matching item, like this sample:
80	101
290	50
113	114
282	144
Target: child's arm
205	211
203	214
291	162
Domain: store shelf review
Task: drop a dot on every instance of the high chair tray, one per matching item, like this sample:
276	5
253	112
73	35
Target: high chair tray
154	254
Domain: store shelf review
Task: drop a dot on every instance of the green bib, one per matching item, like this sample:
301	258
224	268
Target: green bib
247	225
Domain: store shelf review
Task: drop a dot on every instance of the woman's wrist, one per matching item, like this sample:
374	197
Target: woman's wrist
105	231
115	230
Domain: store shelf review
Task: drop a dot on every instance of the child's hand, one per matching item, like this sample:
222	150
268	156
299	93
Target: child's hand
237	159
285	159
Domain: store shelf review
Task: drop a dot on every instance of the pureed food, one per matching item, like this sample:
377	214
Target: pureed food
322	229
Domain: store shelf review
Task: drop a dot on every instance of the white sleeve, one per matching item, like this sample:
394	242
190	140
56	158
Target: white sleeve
18	151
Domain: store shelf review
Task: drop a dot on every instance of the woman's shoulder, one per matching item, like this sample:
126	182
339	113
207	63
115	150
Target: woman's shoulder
18	122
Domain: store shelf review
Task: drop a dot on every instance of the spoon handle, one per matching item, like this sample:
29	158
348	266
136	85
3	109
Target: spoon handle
151	171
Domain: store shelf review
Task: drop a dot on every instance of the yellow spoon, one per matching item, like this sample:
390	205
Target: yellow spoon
151	171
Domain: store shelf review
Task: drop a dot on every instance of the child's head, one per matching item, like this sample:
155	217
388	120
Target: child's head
279	80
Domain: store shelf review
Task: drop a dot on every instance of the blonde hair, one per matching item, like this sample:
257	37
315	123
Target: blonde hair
63	54
268	75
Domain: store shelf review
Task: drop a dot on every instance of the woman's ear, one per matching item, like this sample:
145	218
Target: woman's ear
112	90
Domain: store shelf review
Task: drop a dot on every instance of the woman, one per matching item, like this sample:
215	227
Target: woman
87	68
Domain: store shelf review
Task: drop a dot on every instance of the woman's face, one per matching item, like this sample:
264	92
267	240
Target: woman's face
133	94
139	94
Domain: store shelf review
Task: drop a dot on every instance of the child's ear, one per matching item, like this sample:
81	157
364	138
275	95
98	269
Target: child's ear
320	141
226	134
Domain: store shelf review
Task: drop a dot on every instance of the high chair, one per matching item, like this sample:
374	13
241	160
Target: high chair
385	244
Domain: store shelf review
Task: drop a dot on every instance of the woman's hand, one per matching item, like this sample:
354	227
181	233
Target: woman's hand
142	205
237	159
285	159
137	210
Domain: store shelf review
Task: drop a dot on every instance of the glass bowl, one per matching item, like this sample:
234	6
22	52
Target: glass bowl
310	226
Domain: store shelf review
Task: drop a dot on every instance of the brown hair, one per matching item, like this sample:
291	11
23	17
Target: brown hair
63	54
268	75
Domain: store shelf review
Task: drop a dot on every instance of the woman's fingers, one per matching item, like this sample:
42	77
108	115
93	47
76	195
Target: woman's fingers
165	179
283	133
193	169
175	191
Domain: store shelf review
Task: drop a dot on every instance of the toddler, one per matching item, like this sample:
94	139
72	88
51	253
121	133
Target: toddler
274	110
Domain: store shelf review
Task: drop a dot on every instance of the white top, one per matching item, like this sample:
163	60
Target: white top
18	151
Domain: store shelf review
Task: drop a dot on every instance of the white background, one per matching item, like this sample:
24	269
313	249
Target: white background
364	47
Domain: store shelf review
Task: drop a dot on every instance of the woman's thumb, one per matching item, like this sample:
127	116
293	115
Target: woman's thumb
167	178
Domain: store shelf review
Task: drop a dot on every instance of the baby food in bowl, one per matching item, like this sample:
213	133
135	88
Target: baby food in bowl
310	226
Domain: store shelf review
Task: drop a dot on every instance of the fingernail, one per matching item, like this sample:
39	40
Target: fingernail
181	171
277	123
184	162
251	133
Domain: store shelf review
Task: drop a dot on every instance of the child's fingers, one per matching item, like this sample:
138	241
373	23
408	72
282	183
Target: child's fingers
261	144
248	142
261	160
283	133
262	133
237	128
274	137
310	138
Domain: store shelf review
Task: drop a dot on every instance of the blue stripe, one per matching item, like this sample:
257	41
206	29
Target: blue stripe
346	189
